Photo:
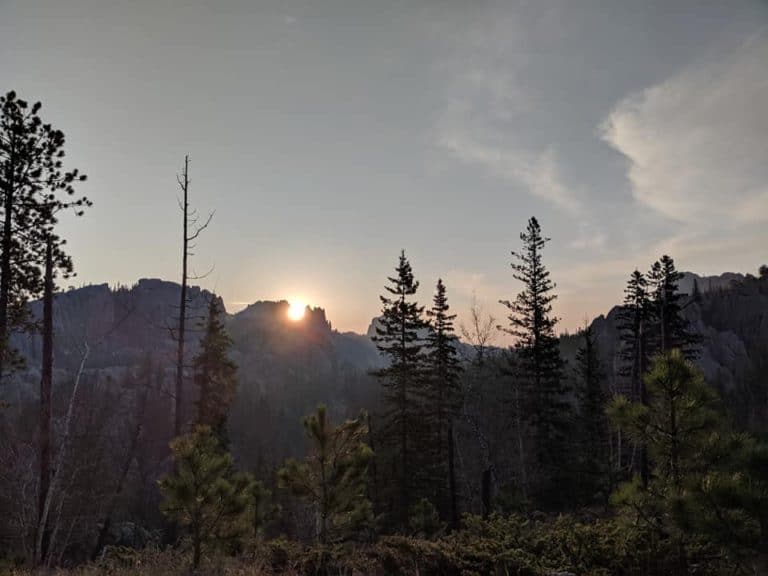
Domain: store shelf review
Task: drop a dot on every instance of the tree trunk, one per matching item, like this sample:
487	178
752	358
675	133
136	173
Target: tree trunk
486	493
107	521
179	404
5	263
45	396
452	478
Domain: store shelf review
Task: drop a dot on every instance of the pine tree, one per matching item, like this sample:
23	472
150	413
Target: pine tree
215	373
333	477
671	331
398	338
594	426
636	320
443	371
33	189
539	363
204	493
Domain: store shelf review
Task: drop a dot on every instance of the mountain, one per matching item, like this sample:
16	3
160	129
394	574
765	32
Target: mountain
730	312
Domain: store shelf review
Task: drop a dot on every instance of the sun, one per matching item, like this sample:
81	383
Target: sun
296	310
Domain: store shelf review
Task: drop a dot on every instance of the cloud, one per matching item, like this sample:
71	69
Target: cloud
696	143
537	172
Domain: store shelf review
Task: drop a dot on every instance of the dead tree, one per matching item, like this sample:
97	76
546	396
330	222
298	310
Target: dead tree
191	228
45	392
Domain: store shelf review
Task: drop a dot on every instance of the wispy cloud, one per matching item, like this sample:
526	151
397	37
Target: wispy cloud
538	173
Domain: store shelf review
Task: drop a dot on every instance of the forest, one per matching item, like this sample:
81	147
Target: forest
145	430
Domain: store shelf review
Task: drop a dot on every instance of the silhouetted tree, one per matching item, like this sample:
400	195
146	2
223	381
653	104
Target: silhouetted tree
443	372
34	188
215	373
593	438
671	329
636	320
191	230
398	338
539	363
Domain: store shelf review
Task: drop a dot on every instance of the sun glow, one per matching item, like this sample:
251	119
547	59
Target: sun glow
296	309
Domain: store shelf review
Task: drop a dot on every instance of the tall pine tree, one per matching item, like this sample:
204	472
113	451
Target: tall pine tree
540	366
215	373
398	338
671	330
443	371
636	321
593	438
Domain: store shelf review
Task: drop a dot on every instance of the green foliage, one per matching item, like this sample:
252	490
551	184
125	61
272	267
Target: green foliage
215	372
708	484
425	521
261	509
332	479
204	493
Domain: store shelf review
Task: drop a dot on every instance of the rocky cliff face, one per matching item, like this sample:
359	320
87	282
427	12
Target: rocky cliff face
731	315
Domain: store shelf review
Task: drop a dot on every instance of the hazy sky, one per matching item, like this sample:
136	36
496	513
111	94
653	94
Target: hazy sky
328	135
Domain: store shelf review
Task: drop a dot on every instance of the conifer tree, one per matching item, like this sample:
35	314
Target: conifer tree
539	363
677	424
333	477
398	339
204	493
594	426
34	187
215	373
671	330
636	320
443	371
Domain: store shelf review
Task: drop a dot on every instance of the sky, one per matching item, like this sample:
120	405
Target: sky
328	135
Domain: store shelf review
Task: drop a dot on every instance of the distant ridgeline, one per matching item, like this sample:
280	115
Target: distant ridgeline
730	312
309	362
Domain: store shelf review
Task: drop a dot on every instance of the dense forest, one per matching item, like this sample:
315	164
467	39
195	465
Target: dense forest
145	430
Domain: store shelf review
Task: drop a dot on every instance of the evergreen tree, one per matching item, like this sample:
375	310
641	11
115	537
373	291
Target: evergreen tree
671	330
677	425
204	493
398	339
539	364
215	373
443	372
33	187
636	319
595	475
333	477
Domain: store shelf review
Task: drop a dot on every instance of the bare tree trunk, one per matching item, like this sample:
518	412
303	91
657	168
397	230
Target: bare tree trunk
179	404
5	263
107	521
60	459
45	395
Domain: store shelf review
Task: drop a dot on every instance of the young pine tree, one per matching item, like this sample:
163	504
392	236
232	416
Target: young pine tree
333	477
677	425
215	373
594	464
398	339
443	371
204	494
540	366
